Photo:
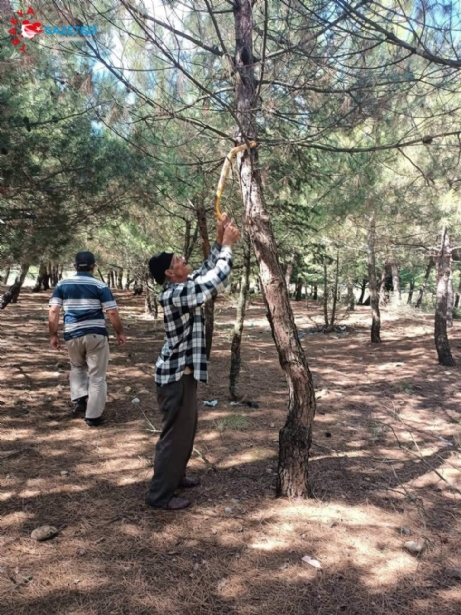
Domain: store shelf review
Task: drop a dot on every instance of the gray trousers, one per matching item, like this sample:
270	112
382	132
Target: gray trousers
89	357
178	403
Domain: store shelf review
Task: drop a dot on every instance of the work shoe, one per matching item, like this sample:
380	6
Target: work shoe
188	482
80	405
174	504
94	422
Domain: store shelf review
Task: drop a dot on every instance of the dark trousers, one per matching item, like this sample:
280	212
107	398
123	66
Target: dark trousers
178	403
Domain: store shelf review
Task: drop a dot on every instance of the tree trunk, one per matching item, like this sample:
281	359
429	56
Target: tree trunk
443	268
6	275
209	306
289	272
450	300
60	272
419	300
397	293
12	294
411	291
374	296
335	292
190	239
296	435
362	291
383	294
239	319
38	282
54	274
314	293
325	293
350	297
120	279
458	293
129	281
299	290
148	309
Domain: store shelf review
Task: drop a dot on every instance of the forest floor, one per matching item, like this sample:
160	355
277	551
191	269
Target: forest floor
385	469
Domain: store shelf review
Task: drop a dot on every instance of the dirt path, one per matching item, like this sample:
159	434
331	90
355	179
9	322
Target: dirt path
238	550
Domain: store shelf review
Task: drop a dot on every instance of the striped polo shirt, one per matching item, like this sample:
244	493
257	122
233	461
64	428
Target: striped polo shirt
83	299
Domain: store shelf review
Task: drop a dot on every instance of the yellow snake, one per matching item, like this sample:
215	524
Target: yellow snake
225	172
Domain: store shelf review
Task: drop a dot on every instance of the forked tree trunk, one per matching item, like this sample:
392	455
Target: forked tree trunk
374	296
296	435
419	300
239	319
209	306
443	268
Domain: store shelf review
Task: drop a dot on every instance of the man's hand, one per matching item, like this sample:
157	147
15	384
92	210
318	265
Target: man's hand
231	236
55	343
121	339
222	225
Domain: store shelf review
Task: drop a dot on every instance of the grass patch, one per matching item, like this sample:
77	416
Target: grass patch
233	422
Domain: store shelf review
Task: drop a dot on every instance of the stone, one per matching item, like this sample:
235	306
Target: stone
413	547
454	573
64	473
44	532
405	530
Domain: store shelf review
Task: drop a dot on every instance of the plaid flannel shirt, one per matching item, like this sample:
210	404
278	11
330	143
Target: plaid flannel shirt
184	321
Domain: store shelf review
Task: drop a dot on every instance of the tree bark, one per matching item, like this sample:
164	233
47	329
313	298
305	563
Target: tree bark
419	300
325	293
12	294
54	274
296	435
374	296
6	275
240	319
383	295
42	279
209	306
450	299
362	291
120	279
289	272
314	293
458	293
411	291
350	297
397	293
335	292
299	290
443	268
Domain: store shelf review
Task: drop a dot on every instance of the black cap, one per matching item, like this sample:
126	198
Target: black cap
85	259
158	264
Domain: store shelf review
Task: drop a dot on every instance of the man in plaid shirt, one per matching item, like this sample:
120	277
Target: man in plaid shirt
182	361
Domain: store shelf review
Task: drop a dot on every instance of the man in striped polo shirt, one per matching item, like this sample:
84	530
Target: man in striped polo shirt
83	299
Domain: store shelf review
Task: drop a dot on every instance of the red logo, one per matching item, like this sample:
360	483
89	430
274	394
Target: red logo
28	29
